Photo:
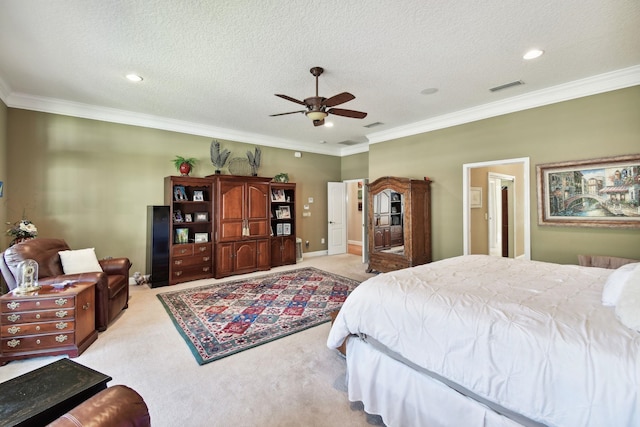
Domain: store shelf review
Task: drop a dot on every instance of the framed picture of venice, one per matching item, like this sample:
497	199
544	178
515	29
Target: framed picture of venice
601	192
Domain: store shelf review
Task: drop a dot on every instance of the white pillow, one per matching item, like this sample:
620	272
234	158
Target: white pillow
628	306
615	283
79	261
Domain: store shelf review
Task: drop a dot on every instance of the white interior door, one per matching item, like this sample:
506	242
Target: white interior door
337	217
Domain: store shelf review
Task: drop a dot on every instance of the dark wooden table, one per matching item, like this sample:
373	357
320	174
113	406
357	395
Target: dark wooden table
43	395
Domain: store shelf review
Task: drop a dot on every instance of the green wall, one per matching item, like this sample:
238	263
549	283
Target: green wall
601	125
355	166
90	182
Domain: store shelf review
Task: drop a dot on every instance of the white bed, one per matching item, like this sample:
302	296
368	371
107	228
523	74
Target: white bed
486	341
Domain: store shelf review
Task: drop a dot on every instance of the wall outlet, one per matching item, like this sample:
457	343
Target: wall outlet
306	243
322	240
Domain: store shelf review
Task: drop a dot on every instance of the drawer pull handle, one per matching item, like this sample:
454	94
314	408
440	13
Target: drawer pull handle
206	258
13	318
61	338
202	249
13	305
178	273
205	269
61	313
13	343
62	325
177	262
86	306
183	251
61	301
13	329
37	341
38	316
37	303
38	328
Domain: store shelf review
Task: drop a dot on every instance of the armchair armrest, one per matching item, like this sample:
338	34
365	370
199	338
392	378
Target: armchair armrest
114	266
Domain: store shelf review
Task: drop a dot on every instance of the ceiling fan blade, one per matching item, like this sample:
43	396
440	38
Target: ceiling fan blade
347	113
318	122
288	98
338	99
290	112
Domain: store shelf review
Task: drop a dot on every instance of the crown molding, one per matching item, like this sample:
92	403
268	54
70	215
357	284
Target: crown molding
86	111
606	82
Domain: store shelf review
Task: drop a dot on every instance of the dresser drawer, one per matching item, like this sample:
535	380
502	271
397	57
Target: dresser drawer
184	274
31	343
37	316
182	250
202	249
204	260
62	301
37	328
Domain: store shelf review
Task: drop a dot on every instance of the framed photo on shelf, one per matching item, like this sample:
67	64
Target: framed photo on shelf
179	193
278	214
201	217
198	196
201	237
182	236
177	216
279	229
188	217
285	212
286	229
278	196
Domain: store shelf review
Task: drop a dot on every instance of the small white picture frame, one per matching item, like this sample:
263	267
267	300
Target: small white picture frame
201	237
475	197
198	196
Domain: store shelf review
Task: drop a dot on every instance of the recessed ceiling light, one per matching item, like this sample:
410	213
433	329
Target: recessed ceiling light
429	91
134	77
533	54
328	124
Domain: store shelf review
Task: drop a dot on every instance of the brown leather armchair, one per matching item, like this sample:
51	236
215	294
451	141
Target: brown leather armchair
114	406
112	284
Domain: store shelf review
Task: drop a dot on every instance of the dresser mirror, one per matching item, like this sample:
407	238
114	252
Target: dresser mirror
388	232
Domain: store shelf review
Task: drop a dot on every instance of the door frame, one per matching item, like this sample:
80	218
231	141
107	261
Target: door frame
466	208
501	178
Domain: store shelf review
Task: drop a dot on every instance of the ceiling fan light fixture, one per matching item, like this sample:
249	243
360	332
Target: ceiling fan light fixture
316	115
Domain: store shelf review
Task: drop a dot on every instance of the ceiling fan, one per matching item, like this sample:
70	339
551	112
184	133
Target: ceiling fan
318	107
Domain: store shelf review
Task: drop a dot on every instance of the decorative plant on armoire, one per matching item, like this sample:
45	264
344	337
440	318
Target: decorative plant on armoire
218	158
184	164
254	161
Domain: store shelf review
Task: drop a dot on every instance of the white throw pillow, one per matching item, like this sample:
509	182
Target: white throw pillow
628	306
79	261
615	283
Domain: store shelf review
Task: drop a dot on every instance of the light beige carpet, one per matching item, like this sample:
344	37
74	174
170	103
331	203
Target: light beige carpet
293	381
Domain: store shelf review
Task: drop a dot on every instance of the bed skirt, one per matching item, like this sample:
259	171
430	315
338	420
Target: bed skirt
391	389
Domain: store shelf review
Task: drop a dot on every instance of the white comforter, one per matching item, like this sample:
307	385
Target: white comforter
530	336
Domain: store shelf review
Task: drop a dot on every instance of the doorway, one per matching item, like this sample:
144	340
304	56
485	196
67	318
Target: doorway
347	213
476	221
502	213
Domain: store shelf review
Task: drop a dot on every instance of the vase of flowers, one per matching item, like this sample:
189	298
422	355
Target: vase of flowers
21	231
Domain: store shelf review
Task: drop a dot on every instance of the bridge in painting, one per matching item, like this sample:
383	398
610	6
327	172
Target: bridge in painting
600	199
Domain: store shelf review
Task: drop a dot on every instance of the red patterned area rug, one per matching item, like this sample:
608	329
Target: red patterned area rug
226	318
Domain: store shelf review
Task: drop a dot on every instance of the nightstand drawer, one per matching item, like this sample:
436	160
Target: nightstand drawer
37	342
63	301
37	328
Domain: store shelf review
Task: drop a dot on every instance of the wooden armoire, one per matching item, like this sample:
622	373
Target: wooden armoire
242	231
399	223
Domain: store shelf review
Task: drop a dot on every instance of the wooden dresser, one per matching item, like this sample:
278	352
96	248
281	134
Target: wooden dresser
47	322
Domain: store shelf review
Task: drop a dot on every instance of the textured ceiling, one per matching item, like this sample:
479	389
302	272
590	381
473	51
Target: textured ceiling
212	67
